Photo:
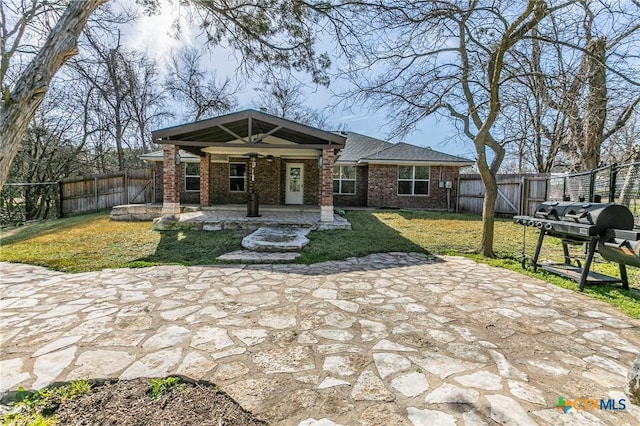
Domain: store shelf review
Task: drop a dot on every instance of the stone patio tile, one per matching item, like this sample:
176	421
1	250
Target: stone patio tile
388	339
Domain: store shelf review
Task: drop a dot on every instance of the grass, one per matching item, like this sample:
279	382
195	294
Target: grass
158	387
93	242
35	408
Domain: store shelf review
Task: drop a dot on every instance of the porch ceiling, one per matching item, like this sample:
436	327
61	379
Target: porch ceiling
247	129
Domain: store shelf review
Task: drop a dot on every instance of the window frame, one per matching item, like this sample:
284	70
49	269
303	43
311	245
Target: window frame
244	177
340	179
413	181
188	176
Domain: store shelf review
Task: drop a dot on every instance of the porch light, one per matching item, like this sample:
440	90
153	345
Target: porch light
269	158
178	159
320	161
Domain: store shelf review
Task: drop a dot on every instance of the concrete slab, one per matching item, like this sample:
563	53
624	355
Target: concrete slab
249	256
276	239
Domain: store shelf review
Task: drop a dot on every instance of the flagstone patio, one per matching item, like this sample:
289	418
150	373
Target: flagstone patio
389	339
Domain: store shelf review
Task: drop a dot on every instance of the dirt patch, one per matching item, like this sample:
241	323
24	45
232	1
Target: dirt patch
132	402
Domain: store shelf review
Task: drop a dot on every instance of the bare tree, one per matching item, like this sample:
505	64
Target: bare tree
286	99
579	84
443	57
266	33
200	91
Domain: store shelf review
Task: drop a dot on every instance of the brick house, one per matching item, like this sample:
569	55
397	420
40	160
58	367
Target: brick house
221	160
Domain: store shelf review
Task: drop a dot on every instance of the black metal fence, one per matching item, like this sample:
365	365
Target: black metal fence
618	183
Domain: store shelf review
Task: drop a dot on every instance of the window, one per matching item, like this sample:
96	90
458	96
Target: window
413	180
237	177
344	179
192	176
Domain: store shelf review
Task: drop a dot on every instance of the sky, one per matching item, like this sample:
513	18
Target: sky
153	34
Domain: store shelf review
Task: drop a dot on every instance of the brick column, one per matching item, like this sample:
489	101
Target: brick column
170	182
326	186
205	172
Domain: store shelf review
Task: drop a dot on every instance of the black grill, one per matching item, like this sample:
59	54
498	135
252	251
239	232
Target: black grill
607	228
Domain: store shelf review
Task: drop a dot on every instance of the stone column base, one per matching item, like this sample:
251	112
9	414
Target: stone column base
170	209
326	213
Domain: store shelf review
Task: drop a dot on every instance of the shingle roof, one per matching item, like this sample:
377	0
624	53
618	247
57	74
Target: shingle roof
360	148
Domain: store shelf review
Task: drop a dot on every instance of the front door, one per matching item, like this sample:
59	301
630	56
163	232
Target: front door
295	183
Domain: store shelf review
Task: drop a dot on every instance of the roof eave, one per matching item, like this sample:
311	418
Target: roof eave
163	136
416	162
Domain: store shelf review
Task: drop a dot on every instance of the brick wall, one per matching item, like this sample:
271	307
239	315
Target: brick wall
326	178
383	188
205	180
159	190
269	183
220	193
359	199
191	197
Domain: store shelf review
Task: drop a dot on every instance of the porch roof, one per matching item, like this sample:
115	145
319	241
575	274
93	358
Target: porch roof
247	129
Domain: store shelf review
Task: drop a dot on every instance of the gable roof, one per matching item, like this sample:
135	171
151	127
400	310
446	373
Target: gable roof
243	128
364	149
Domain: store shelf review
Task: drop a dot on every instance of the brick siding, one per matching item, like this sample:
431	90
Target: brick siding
383	188
359	199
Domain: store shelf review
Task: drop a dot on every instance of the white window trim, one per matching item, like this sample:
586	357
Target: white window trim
191	176
413	180
340	179
237	177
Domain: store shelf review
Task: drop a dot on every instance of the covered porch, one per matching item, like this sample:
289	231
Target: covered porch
247	155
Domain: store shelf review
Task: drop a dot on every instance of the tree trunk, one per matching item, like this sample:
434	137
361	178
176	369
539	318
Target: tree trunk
596	110
32	85
488	209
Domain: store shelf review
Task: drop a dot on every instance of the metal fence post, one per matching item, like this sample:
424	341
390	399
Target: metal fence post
592	185
613	175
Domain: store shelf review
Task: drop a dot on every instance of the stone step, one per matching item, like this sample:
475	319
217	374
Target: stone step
248	256
270	239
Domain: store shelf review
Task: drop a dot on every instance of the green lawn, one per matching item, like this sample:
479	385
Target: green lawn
93	242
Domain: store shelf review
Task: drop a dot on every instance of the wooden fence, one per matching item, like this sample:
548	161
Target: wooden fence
94	193
517	193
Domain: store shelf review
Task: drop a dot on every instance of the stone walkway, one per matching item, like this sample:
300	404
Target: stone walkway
390	339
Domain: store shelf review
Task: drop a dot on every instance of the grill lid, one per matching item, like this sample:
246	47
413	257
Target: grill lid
601	216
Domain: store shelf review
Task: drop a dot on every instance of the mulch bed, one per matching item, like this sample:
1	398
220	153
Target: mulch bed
127	402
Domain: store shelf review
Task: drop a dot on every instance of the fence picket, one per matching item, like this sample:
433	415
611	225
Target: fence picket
75	195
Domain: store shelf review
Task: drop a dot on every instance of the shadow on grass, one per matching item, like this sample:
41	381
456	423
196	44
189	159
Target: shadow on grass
190	248
431	215
368	235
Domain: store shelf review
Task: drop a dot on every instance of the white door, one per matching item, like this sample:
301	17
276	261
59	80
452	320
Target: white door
295	183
